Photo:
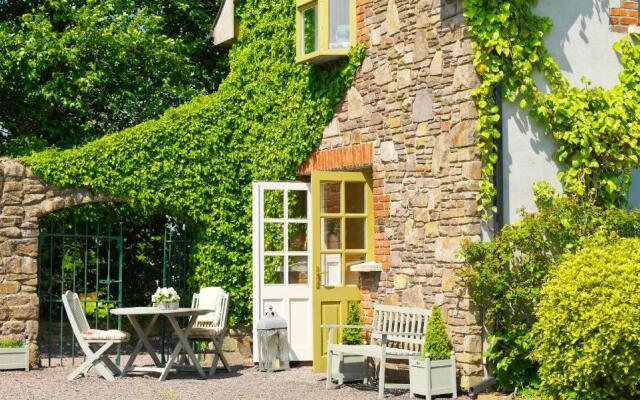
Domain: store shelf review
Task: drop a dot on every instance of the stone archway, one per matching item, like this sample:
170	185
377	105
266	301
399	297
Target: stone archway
23	199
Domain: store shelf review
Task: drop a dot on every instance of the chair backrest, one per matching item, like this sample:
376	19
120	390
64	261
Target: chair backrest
405	320
215	299
76	315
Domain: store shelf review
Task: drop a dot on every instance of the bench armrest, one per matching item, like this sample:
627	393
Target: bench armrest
386	333
331	328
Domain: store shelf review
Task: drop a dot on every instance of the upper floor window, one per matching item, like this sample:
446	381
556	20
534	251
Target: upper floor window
325	29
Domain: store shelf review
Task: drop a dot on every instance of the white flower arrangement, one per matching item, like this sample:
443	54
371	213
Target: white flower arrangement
166	295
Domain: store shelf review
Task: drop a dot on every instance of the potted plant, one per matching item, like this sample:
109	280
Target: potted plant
435	373
350	367
14	350
166	299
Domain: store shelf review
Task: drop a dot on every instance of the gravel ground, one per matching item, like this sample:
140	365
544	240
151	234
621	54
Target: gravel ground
244	382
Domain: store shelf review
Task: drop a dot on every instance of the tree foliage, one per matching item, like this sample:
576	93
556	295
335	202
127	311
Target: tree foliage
353	335
436	340
505	275
597	130
196	162
73	70
589	324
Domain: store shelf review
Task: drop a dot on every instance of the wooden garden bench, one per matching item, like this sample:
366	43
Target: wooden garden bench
397	333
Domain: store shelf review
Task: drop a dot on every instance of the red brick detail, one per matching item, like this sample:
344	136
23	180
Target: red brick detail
382	248
362	32
341	158
381	203
621	18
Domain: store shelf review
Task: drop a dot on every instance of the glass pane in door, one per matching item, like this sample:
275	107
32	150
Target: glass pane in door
273	270
297	236
330	197
354	197
298	270
331	234
274	203
352	278
355	233
331	269
297	204
273	236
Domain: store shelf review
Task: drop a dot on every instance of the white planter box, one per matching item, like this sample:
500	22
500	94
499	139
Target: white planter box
349	368
431	378
15	358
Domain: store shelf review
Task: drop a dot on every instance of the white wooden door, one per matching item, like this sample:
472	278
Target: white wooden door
282	260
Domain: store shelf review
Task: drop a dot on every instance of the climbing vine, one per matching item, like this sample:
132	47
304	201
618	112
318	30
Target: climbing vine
197	161
597	130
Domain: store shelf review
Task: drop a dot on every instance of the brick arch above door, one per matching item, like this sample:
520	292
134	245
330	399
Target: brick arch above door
339	159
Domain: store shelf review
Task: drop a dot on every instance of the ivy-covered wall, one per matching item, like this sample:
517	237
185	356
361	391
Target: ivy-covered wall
197	161
582	43
596	129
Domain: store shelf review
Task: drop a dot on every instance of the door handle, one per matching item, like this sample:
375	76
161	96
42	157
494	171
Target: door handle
318	276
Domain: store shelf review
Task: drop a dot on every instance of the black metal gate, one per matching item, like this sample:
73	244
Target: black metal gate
85	258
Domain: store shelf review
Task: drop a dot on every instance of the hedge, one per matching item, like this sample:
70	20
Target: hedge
589	324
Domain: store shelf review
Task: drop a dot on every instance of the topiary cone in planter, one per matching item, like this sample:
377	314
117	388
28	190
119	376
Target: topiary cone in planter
435	373
351	367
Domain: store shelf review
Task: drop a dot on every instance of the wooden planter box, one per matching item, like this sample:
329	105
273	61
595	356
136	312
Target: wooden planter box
349	368
15	357
431	378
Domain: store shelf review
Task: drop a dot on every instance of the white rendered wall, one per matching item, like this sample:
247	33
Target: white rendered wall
582	45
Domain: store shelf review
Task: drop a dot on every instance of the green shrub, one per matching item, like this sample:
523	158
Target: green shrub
6	343
436	341
10	338
504	276
589	324
353	336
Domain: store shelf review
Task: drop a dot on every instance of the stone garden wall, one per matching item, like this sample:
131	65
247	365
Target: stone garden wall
25	198
410	118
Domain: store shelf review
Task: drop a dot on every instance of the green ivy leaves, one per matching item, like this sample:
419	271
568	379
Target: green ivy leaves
197	161
596	129
588	323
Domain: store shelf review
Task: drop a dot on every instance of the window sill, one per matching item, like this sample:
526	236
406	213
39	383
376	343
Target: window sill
370	266
319	57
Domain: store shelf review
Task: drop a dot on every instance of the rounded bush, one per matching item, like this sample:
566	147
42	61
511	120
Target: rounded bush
589	324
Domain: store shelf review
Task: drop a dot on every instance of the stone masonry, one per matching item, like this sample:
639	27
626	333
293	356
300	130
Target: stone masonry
24	199
410	109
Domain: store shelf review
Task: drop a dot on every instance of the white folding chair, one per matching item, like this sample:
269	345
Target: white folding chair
94	344
211	327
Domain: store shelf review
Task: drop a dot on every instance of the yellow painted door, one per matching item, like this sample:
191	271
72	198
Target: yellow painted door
342	220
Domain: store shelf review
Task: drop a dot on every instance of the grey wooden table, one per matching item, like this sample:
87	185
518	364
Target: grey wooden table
132	313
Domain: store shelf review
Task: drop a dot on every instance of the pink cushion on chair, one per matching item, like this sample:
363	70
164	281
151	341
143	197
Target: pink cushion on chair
99	334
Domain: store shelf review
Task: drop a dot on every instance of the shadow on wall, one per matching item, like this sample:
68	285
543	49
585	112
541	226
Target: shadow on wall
575	24
450	14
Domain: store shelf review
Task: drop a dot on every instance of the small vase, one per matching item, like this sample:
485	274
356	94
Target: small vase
165	305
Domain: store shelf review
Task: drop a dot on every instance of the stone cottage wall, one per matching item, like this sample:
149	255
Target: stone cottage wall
25	198
410	118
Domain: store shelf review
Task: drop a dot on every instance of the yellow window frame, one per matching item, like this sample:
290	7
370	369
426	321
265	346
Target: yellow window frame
323	53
